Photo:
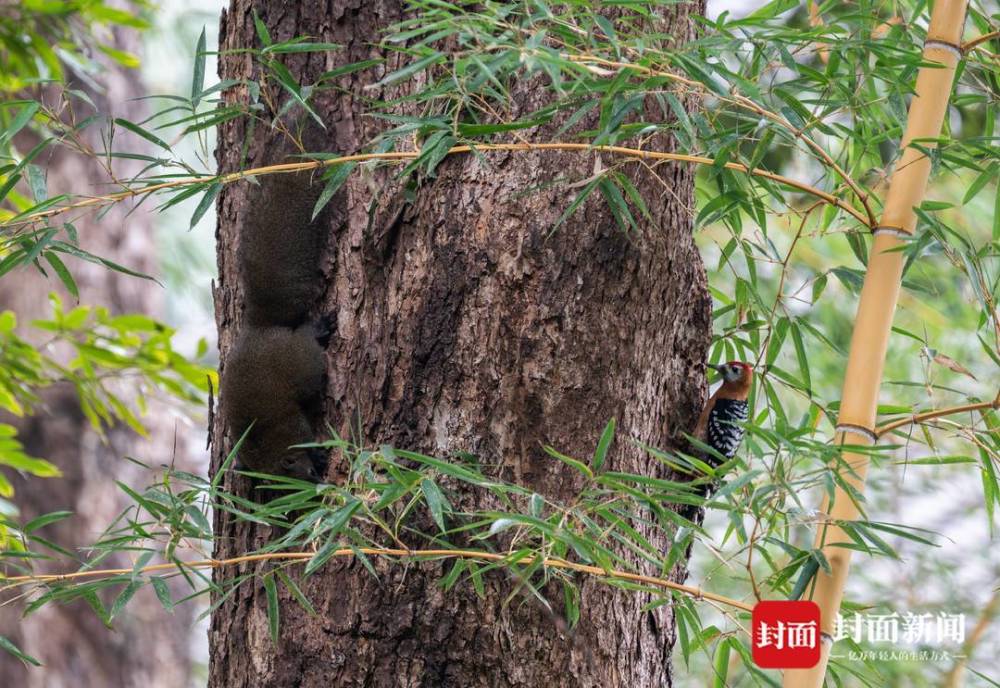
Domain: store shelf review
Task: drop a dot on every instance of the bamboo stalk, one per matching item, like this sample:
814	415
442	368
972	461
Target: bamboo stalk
869	341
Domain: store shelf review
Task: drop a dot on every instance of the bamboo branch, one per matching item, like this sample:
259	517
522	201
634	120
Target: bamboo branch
697	593
975	42
937	413
397	156
873	323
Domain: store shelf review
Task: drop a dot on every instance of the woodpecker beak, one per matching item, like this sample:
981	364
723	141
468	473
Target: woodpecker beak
717	368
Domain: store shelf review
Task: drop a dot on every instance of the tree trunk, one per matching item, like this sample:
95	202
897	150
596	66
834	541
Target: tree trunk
461	324
147	647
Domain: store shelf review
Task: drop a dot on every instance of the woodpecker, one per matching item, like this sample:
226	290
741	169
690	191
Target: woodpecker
718	426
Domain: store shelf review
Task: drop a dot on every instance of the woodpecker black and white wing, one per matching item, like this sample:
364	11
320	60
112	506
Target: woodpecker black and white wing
724	431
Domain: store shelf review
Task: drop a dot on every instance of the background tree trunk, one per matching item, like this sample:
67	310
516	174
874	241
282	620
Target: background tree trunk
147	647
461	325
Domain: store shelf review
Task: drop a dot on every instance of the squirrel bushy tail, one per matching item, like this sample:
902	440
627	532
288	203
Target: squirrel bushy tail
274	371
279	249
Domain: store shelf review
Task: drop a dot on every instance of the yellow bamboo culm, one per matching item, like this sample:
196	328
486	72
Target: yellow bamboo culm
859	400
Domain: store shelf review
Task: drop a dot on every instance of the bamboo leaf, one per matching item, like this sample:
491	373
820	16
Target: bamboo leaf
297	593
198	75
45	519
601	453
806	574
300	47
721	664
123	598
13	649
262	33
204	204
24	115
436	502
273	610
335	178
163	593
139	131
409	70
579	466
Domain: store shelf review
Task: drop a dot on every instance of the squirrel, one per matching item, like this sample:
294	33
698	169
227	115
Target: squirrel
273	375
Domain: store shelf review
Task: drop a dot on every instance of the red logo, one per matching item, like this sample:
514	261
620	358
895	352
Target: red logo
786	634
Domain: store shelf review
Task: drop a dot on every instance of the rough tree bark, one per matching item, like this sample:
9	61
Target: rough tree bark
147	646
462	325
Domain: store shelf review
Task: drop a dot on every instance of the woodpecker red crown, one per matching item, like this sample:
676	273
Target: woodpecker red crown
734	372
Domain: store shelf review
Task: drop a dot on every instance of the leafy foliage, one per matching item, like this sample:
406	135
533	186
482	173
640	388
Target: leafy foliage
113	363
378	509
39	43
39	39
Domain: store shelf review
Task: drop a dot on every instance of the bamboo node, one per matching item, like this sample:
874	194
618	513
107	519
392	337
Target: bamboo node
895	231
953	48
825	638
857	430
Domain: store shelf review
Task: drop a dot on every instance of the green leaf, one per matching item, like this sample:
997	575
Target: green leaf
122	57
472	130
112	15
803	358
996	216
300	47
204	204
577	202
273	612
63	247
436	502
37	183
45	519
778	332
24	116
123	598
198	76
341	517
721	664
409	70
335	178
616	202
14	175
322	556
348	69
297	593
63	273
808	571
603	444
578	465
448	582
139	131
431	156
10	647
262	33
163	593
571	603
